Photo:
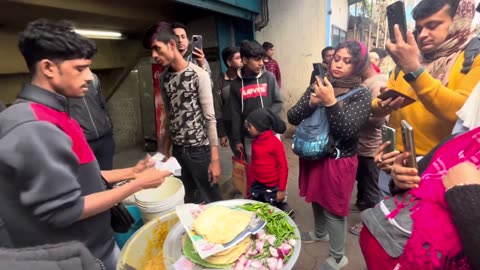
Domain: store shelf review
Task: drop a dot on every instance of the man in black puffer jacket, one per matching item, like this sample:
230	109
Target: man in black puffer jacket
91	113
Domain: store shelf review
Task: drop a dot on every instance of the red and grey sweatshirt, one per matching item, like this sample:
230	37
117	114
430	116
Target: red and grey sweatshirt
272	66
269	162
46	170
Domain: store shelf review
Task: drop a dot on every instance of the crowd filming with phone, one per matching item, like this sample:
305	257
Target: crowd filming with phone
403	143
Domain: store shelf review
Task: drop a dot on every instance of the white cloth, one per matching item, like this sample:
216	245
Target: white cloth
170	164
470	112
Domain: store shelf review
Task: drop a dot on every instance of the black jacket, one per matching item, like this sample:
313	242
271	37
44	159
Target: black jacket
463	203
91	112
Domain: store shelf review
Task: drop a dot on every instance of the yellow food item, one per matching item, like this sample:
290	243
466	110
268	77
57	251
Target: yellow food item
154	259
220	224
232	254
156	263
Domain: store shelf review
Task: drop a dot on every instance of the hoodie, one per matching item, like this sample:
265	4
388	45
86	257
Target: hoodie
250	93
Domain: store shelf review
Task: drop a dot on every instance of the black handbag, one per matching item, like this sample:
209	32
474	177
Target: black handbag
121	219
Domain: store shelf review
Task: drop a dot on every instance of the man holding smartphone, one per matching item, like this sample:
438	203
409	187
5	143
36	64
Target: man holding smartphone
431	69
196	56
188	101
327	55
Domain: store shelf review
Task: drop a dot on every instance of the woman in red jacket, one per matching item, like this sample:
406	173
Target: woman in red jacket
269	167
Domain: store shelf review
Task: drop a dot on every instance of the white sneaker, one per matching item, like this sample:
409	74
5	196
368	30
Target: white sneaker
331	263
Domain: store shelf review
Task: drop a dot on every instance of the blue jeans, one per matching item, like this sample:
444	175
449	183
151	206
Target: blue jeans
195	161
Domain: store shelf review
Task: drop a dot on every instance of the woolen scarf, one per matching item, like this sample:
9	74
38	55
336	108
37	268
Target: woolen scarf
345	84
440	62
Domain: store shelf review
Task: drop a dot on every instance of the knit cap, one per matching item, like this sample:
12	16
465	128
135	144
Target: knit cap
264	119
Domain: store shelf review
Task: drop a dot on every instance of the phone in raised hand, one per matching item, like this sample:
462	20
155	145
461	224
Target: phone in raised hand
197	41
396	15
388	134
319	72
409	144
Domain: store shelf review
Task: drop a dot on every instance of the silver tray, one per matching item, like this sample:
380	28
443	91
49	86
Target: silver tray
172	247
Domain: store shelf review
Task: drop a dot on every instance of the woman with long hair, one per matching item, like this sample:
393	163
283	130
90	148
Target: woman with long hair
328	183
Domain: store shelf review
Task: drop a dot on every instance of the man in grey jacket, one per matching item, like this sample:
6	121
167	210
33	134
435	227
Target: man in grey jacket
91	113
51	188
62	256
2	106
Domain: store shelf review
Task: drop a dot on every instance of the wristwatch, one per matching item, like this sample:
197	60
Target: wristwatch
412	76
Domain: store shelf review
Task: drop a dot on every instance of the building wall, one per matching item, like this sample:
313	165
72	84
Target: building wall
206	27
297	30
124	108
339	15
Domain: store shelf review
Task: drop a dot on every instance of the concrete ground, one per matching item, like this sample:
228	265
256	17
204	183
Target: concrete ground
312	255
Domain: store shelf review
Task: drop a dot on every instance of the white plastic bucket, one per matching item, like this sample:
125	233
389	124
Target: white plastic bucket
156	201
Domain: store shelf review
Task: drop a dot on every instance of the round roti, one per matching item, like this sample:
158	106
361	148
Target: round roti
220	224
232	254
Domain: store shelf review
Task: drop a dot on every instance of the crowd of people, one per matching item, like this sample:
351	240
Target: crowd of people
56	142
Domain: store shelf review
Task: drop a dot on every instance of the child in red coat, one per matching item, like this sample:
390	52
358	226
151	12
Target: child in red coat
268	167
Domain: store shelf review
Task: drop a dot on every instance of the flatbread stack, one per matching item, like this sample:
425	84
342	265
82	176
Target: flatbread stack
220	225
232	254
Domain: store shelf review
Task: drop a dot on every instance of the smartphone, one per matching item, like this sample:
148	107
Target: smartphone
319	71
396	15
388	134
409	143
390	93
197	42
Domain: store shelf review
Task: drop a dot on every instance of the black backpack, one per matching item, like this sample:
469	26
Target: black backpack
471	52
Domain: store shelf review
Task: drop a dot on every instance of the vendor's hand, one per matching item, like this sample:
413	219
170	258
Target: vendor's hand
323	93
280	196
224	141
404	177
405	53
389	103
144	164
214	171
151	178
464	173
200	56
239	148
166	157
384	161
